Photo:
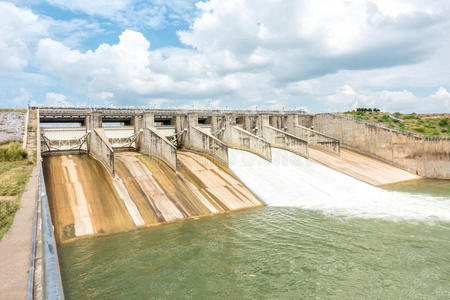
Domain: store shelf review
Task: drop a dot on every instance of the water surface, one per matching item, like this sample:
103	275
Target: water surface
324	235
268	253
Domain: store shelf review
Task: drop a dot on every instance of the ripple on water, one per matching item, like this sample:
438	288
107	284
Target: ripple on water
273	252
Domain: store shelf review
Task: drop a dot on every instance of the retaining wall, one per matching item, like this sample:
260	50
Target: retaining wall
238	138
152	142
202	141
317	139
281	139
101	150
423	156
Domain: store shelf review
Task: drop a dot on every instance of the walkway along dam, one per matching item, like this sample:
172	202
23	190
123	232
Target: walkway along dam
111	170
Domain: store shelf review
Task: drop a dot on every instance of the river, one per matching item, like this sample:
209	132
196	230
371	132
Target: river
323	235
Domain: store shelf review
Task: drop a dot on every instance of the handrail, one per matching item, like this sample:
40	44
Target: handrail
30	292
52	276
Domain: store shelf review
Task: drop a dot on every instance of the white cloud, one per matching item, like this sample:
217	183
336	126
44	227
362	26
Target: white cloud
19	30
54	99
23	97
346	98
124	68
242	54
104	95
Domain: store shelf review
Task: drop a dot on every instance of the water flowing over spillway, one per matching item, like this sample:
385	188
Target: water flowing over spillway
291	180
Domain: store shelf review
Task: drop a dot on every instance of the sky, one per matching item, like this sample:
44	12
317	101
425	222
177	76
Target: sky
316	55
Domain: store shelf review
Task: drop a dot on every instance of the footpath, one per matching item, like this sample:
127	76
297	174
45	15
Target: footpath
15	246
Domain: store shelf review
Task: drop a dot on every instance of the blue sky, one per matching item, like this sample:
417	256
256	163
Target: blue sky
278	54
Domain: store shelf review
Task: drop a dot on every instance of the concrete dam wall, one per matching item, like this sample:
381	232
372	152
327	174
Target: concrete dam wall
85	200
425	157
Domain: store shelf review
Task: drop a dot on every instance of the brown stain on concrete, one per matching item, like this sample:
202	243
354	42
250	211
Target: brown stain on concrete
362	167
84	201
82	198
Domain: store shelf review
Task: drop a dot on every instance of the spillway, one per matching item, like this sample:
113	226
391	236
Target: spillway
85	200
291	180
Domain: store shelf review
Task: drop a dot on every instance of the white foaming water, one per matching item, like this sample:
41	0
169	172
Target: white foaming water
291	180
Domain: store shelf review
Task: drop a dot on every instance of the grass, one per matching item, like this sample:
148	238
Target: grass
425	124
15	170
7	212
13	109
12	152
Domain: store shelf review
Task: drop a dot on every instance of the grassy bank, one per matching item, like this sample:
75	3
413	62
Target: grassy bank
24	110
425	124
15	170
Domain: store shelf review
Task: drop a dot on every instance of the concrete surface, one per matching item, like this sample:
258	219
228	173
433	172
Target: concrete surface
238	138
152	142
283	140
15	247
427	157
11	125
364	168
85	200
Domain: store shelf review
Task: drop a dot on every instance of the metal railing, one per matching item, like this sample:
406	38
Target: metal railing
30	291
52	285
51	275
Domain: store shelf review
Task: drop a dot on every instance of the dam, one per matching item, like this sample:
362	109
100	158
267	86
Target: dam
108	173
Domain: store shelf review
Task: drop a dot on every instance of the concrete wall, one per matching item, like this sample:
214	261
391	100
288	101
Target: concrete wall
305	120
238	138
152	142
13	125
101	150
425	157
202	141
313	137
283	140
197	139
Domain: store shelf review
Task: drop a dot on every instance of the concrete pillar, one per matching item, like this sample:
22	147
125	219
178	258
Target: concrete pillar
94	120
214	124
148	120
230	120
261	121
137	123
291	121
185	122
248	123
192	120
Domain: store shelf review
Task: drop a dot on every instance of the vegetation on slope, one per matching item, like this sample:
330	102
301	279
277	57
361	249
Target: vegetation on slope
15	170
24	110
425	124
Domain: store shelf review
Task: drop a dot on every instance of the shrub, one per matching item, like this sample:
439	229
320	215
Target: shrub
12	153
443	122
397	114
385	118
411	117
420	129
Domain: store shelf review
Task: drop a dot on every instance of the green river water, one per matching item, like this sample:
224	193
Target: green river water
268	253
